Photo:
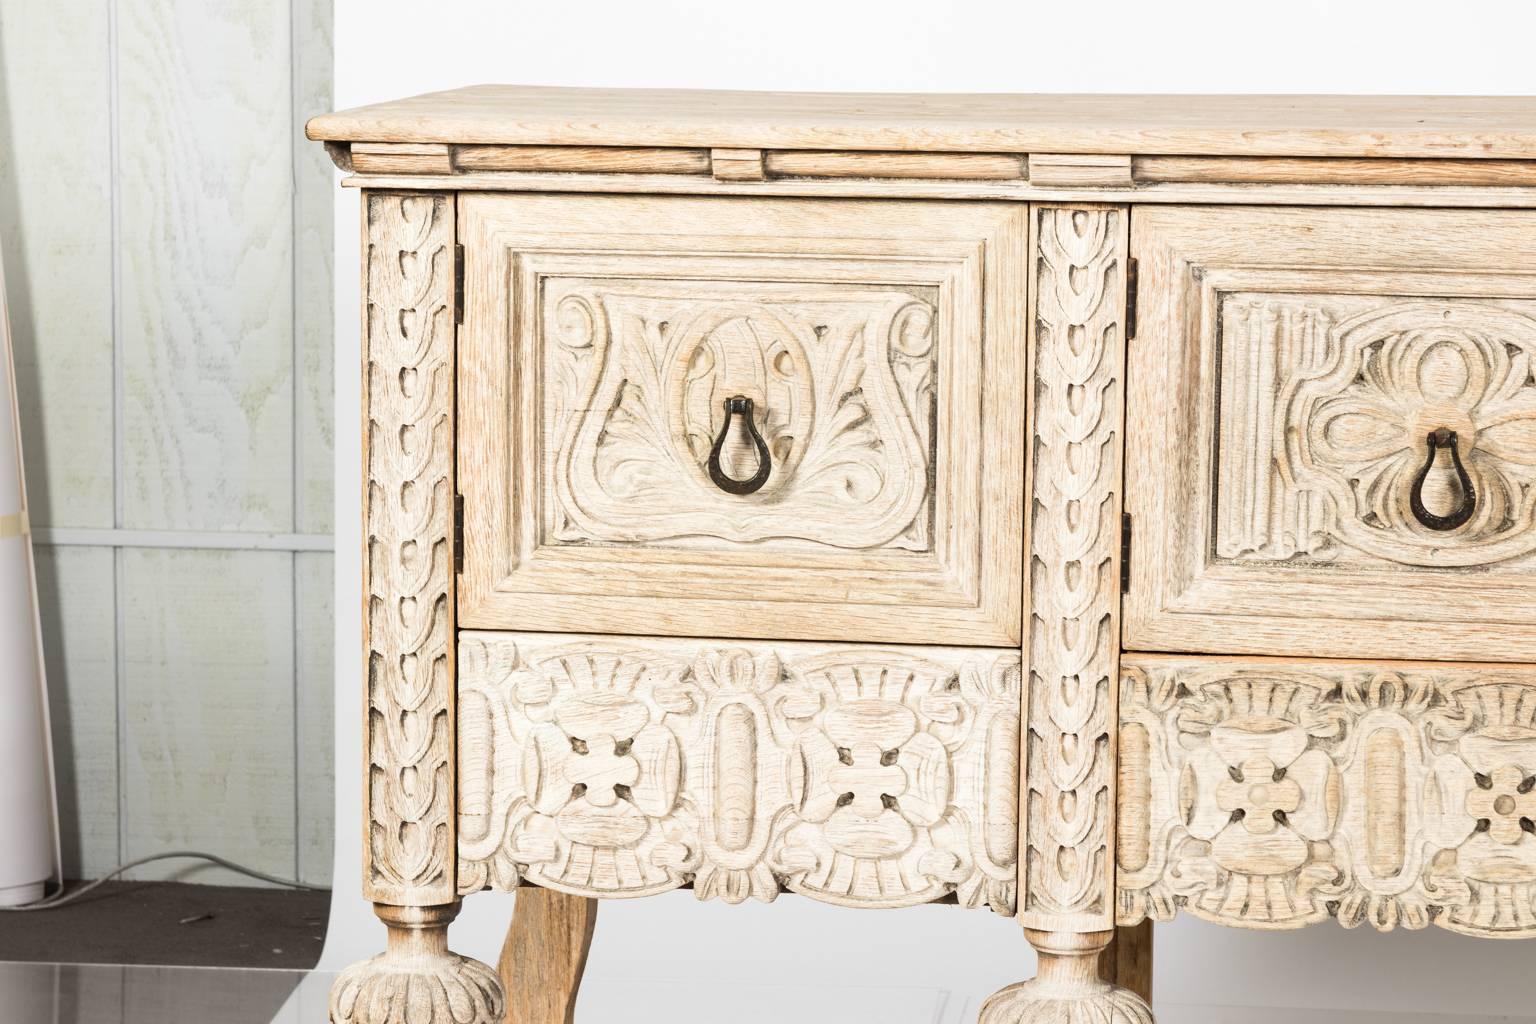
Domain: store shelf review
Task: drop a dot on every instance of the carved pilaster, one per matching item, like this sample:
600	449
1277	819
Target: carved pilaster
1072	643
408	561
408	853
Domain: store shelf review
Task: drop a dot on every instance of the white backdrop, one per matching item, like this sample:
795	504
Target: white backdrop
926	964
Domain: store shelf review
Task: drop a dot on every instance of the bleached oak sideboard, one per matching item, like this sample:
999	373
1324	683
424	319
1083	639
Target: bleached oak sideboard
1086	508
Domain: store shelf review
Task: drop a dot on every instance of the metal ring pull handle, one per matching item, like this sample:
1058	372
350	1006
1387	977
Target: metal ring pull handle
739	405
1438	439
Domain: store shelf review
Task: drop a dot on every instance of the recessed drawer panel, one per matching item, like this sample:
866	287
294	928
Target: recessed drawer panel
1268	793
749	417
1332	421
859	776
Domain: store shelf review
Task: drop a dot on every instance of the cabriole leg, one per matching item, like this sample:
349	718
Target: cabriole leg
417	980
545	955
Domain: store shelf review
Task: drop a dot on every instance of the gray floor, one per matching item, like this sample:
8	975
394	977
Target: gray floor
173	924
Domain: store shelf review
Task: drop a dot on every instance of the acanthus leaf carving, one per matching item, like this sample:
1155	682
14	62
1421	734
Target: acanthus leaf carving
842	380
408	564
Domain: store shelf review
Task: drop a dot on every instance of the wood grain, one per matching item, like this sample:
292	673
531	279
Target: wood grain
206	266
315	705
1271	473
408	562
1377	126
1127	962
545	954
1071	650
884	391
75	602
56	233
208	710
589	159
1332	171
1079	169
623	767
314	291
737	164
1286	792
811	163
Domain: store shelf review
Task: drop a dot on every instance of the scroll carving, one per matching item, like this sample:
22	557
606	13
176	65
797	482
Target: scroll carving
1074	515
863	777
1269	796
843	380
408	568
1337	395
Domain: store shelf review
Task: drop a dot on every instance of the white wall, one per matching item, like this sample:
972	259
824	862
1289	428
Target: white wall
167	247
909	959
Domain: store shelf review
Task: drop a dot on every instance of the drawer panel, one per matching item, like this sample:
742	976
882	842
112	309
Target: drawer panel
1303	386
618	767
628	365
1271	794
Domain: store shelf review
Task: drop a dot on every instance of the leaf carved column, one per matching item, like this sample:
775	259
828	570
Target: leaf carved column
409	853
1072	643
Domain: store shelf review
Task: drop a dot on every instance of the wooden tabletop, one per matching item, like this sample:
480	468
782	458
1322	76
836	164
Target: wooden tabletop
1478	127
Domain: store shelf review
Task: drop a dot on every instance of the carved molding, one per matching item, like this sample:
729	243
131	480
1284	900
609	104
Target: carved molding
1074	530
1337	396
1275	795
863	777
408	563
842	381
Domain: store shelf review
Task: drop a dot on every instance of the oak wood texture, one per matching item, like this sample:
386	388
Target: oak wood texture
1076	368
1298	126
544	955
1274	793
1288	367
601	336
1331	171
408	560
1127	961
861	776
410	799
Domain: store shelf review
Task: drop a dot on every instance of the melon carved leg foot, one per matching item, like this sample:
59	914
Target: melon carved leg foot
1067	989
417	980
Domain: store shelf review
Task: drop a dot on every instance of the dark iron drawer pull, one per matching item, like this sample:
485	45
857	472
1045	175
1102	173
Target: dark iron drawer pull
1438	439
739	405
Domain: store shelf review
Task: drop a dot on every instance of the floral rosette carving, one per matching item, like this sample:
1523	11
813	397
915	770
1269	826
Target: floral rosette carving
1388	798
1394	376
869	781
1252	798
602	804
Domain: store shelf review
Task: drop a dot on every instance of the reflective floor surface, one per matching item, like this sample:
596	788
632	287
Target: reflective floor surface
96	994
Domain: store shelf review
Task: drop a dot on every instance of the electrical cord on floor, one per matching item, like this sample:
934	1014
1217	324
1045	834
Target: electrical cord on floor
63	898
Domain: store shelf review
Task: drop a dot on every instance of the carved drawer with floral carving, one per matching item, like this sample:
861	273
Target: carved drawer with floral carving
1332	433
619	767
765	418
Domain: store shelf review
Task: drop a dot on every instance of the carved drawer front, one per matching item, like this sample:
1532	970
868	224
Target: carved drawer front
630	366
1332	433
1272	794
859	776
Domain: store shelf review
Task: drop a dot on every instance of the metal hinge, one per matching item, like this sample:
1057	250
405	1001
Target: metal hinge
1125	553
458	284
1131	275
458	533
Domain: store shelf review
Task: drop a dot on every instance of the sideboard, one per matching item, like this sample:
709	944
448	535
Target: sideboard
1084	508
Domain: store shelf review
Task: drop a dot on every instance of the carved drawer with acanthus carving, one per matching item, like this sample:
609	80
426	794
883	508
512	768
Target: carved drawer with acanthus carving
759	418
1331	425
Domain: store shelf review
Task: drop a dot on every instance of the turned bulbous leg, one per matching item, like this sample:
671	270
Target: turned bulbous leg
1067	988
417	980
